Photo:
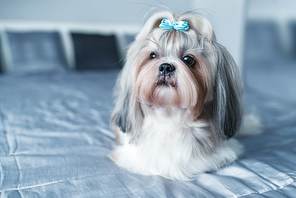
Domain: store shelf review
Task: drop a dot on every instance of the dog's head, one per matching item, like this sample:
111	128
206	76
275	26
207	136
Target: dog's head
183	68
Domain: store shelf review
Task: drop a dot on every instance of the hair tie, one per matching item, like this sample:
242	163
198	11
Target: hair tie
177	25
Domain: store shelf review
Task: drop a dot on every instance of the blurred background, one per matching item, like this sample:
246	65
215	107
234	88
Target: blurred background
52	35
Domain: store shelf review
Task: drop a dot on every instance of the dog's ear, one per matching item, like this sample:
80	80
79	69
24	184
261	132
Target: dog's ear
153	22
227	102
120	116
127	115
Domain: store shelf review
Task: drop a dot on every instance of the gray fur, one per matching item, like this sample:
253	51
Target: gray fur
227	103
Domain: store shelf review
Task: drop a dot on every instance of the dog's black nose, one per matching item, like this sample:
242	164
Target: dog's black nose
166	69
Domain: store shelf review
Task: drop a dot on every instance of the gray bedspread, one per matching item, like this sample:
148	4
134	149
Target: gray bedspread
55	139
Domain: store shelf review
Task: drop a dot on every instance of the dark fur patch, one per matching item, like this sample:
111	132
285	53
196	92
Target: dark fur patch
227	104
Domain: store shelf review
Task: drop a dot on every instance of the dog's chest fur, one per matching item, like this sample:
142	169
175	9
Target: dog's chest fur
170	145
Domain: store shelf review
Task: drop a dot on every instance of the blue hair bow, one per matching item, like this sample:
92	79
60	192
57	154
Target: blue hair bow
177	25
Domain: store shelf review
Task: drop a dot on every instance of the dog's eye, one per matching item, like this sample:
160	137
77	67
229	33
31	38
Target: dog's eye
189	61
153	55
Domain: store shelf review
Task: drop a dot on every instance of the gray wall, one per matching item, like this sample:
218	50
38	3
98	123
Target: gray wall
113	11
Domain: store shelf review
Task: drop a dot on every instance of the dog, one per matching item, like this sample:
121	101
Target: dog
178	100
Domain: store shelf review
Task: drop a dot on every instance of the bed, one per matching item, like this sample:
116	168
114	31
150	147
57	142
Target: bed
55	139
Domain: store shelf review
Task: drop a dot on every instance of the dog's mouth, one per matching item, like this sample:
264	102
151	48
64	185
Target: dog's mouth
165	81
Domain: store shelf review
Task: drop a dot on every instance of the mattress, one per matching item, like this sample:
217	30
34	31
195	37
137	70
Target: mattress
56	138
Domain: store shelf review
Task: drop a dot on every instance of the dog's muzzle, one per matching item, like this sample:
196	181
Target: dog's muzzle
166	69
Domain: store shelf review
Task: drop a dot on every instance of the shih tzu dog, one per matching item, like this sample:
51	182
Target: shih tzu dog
179	100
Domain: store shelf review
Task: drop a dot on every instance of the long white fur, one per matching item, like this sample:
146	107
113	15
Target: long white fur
168	147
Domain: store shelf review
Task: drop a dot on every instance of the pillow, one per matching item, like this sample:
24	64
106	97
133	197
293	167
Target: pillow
35	52
1	59
292	29
262	40
95	51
